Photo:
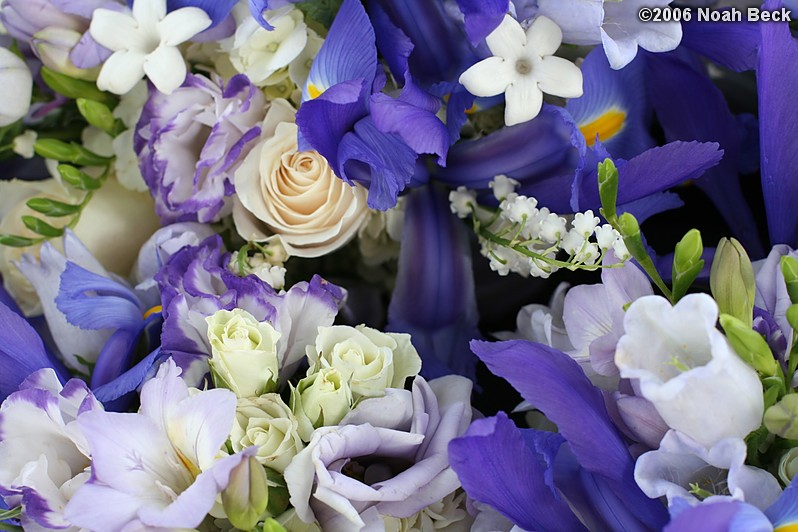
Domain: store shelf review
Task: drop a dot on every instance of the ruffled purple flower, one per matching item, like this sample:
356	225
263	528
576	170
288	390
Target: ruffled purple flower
191	142
196	282
405	439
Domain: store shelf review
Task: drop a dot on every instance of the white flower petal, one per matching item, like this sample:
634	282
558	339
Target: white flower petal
559	77
116	30
121	72
619	47
660	37
579	20
149	11
489	77
543	37
507	39
166	68
182	24
523	101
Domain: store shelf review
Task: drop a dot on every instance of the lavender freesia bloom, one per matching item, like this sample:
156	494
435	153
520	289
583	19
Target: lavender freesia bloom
196	282
367	136
44	456
159	467
587	463
415	436
191	142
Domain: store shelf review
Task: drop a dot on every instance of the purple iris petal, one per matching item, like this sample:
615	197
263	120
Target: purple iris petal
723	515
257	7
378	160
496	467
556	385
418	127
652	171
646	207
482	17
615	91
690	107
733	45
21	352
217	10
778	120
434	298
392	42
348	52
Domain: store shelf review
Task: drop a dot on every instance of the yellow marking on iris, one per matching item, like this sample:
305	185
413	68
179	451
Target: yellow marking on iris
788	527
605	126
313	91
473	109
153	310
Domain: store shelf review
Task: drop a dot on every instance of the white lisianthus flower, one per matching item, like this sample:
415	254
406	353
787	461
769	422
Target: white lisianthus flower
144	42
368	359
17	83
523	67
268	423
688	370
260	53
244	352
294	194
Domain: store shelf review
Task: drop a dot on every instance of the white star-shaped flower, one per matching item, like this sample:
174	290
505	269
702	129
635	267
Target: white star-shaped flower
523	68
144	42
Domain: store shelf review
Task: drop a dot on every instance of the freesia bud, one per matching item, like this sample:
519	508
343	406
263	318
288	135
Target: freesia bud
789	269
750	345
687	262
321	399
731	280
247	494
17	82
244	352
782	418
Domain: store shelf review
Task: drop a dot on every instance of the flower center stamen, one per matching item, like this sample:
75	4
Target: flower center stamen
523	66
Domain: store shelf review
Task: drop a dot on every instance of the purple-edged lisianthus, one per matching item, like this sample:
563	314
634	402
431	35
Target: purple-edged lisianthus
196	282
402	442
191	142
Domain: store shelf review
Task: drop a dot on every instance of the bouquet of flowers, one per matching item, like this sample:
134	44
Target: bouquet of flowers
284	265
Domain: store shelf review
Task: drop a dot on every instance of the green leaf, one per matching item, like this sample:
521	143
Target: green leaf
77	178
608	189
76	88
41	227
52	208
320	13
15	241
687	263
69	152
13	513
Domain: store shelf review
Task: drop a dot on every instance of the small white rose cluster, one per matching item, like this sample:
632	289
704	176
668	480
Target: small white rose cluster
523	238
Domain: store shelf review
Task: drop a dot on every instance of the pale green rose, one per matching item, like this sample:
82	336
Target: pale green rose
321	399
368	359
244	352
267	422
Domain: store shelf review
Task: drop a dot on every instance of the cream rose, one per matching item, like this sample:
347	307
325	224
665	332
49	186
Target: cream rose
369	360
268	423
320	399
293	194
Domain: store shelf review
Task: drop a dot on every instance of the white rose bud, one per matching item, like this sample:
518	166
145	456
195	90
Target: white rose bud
244	352
294	194
321	399
368	359
268	423
17	83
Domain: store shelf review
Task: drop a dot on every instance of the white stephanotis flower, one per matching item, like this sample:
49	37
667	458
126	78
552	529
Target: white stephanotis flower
144	42
615	24
523	67
688	370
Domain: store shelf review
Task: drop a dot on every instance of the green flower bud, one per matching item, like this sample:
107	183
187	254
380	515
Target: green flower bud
69	152
100	116
246	496
792	316
687	262
782	418
731	281
608	189
244	352
320	399
749	345
789	269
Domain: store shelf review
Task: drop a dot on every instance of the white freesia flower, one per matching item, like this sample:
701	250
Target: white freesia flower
17	84
523	67
244	352
688	370
144	42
